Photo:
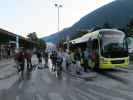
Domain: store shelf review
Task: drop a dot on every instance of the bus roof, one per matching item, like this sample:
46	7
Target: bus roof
94	34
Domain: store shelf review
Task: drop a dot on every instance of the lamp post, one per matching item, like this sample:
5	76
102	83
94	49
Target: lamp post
17	41
58	7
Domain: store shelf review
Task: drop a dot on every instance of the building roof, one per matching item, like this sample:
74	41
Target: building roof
13	35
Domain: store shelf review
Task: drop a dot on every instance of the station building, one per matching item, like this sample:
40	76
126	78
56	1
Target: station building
8	43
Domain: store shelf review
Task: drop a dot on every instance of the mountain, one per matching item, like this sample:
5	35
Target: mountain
118	13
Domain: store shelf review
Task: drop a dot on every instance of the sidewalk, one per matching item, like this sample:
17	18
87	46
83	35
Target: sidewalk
7	68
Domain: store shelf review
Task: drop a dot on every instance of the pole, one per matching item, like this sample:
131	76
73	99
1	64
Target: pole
17	41
58	20
68	43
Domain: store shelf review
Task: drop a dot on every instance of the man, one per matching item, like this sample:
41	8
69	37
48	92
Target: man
20	58
77	58
45	56
28	56
53	58
59	61
39	57
85	59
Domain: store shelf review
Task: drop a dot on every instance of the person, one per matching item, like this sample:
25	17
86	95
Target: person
45	56
91	57
73	63
66	59
53	57
39	57
70	60
59	61
77	58
8	51
85	59
81	56
20	58
28	56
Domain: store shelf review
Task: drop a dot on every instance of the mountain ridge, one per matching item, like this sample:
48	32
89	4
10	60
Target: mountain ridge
117	13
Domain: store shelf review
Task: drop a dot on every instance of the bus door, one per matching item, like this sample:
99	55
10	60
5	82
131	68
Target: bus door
93	47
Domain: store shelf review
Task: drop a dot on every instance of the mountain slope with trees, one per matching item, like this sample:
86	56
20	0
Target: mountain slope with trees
116	15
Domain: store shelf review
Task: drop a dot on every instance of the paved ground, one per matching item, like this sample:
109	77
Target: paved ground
44	85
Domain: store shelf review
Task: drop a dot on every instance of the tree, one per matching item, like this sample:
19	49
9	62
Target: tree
41	44
130	27
32	36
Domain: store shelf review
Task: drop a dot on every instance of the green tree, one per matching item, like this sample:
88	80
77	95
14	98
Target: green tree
130	27
41	44
32	36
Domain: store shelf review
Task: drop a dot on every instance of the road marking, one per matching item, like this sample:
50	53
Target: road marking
86	94
17	97
129	94
34	73
64	78
55	96
72	97
84	97
20	85
98	85
105	87
7	83
39	97
47	79
104	95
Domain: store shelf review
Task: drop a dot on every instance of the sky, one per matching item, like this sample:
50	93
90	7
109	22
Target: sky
41	16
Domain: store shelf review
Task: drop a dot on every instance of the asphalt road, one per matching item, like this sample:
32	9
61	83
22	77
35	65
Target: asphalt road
44	85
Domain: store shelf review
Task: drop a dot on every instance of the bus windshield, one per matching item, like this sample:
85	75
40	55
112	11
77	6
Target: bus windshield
113	44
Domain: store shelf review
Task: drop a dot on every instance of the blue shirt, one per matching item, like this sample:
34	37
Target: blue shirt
86	55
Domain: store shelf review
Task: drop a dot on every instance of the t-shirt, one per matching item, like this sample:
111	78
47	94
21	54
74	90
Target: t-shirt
20	57
85	55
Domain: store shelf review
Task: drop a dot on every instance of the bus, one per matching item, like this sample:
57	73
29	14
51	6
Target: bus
109	47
